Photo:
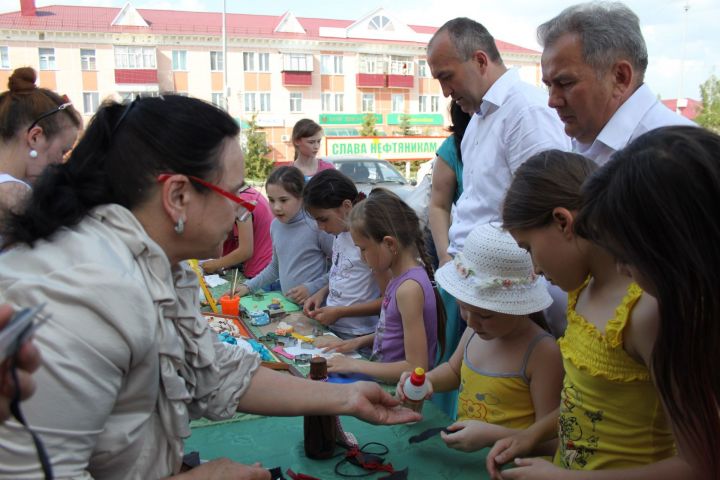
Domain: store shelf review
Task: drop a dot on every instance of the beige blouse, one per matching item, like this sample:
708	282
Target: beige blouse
128	360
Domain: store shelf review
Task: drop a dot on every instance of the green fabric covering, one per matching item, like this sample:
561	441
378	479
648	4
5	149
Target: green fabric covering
278	441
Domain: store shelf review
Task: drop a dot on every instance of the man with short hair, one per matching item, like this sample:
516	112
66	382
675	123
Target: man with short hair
594	63
511	120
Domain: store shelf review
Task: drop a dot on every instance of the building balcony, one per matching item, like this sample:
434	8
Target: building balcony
139	76
371	80
400	81
297	79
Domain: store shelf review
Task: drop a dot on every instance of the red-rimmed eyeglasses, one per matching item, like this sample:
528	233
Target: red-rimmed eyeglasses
246	207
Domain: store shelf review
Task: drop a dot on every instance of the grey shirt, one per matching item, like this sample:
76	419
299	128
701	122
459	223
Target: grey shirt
300	255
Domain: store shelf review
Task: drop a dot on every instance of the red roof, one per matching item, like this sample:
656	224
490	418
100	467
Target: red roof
691	111
98	19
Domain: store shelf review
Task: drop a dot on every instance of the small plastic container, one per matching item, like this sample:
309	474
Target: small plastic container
415	388
230	306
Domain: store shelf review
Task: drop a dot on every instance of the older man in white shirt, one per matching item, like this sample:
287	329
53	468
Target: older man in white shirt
594	63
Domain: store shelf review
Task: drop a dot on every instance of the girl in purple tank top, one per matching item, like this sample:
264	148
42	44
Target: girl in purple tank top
412	319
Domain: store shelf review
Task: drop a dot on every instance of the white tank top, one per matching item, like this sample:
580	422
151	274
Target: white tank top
6	178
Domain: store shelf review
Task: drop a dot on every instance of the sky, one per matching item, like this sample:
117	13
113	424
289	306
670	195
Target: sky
683	46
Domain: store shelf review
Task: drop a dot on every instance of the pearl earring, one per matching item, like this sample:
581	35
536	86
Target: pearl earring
180	226
33	153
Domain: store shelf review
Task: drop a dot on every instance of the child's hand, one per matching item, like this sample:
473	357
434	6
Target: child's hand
471	435
211	266
326	315
506	450
341	364
241	290
337	345
400	394
533	469
298	294
312	303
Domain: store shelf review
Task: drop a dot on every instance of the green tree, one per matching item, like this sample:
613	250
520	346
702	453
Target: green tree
404	127
367	128
709	116
257	164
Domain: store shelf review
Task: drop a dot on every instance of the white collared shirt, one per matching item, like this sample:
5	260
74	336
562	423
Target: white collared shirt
640	113
514	123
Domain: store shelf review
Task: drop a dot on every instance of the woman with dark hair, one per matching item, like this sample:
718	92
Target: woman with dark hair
655	206
127	358
37	128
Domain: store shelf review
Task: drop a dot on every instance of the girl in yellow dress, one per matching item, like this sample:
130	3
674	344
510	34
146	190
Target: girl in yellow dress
507	368
610	416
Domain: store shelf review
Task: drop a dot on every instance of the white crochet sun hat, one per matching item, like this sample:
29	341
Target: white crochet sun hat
495	274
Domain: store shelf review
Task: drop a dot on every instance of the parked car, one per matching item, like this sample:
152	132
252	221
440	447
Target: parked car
369	172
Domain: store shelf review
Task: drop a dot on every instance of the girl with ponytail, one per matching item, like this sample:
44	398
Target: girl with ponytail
349	305
412	319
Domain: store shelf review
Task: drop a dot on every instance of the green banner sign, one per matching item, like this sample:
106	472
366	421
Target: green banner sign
416	118
346	119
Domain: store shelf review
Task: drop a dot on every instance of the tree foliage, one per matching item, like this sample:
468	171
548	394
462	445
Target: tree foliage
367	128
257	164
709	116
404	127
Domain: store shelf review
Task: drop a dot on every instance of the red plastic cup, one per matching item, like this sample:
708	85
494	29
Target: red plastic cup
230	306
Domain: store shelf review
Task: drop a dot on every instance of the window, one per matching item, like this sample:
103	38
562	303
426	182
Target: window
4	57
264	102
423	104
263	62
87	59
130	96
91	100
296	102
331	64
257	102
332	102
179	60
434	103
218	99
372	64
249	61
398	102
297	62
368	102
250	102
401	65
423	70
47	58
135	57
216	62
380	22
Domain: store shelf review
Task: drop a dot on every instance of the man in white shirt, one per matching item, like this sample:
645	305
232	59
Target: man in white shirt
511	123
594	63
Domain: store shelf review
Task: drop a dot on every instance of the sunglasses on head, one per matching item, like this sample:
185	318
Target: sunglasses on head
55	110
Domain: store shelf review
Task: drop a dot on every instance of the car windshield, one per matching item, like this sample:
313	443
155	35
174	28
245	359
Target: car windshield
370	171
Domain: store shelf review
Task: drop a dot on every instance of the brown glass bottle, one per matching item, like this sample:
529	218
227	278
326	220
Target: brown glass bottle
319	430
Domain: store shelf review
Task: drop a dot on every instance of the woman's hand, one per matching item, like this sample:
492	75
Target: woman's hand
339	346
471	435
27	360
222	469
369	402
298	294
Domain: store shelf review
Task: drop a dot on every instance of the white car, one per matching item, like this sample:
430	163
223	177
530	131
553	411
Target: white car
369	172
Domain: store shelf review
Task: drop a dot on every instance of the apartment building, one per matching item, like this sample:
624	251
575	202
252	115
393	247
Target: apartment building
276	68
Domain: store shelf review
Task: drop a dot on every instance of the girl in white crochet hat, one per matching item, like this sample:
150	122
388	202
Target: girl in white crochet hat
507	367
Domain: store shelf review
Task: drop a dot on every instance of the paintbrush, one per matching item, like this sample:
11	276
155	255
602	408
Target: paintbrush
232	292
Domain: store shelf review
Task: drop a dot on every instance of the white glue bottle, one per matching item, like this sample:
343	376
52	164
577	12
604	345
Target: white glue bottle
415	388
